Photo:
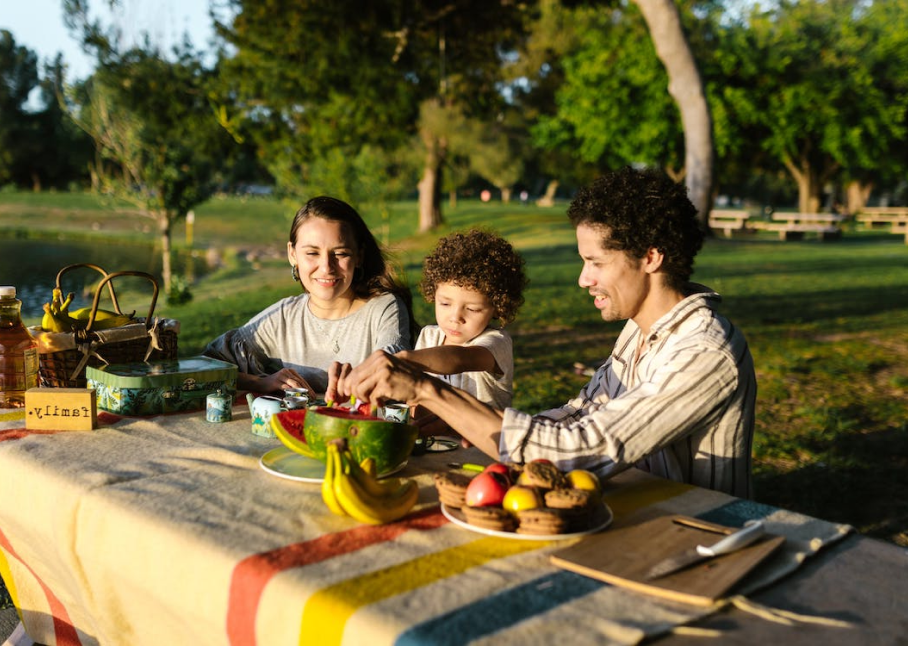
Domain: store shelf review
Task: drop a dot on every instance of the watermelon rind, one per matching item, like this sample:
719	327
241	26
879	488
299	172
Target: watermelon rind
388	443
284	423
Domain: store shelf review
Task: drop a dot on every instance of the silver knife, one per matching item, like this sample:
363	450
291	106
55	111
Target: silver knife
752	530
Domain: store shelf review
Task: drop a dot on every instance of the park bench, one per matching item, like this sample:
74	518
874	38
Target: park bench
729	222
893	217
794	226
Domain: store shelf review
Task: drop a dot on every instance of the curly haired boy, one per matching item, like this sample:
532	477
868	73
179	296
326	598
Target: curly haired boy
473	278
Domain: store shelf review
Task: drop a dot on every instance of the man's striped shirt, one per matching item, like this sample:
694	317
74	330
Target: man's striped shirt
683	410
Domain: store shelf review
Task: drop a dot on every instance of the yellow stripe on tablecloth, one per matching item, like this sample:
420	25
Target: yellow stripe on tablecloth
630	498
7	575
13	416
326	612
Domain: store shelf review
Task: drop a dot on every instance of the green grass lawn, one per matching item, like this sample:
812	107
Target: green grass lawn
826	322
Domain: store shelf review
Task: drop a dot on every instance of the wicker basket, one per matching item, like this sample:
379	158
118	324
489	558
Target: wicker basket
63	356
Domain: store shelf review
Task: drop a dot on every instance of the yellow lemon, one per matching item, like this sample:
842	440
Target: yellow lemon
581	479
520	498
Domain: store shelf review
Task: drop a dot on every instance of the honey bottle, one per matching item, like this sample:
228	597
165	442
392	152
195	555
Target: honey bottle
18	352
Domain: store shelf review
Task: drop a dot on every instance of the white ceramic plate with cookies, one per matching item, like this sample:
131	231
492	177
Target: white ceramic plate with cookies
601	518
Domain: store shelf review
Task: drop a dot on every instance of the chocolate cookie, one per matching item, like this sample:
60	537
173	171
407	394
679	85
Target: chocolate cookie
494	518
575	504
452	488
543	475
568	498
542	522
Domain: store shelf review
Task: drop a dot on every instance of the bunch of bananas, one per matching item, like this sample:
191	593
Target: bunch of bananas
351	489
58	318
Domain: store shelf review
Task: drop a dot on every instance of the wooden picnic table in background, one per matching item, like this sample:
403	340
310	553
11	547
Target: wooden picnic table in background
895	218
794	226
729	222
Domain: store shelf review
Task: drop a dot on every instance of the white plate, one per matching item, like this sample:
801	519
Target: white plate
601	520
285	463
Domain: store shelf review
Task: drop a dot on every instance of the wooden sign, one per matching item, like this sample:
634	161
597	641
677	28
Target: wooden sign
60	409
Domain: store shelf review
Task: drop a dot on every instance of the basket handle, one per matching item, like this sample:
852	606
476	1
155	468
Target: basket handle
113	295
107	280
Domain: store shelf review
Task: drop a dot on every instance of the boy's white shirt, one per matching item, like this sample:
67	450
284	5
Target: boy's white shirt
497	390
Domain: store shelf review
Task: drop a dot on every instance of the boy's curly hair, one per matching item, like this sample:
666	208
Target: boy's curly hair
482	261
641	209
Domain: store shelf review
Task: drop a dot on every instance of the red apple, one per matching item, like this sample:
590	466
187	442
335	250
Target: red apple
498	467
487	489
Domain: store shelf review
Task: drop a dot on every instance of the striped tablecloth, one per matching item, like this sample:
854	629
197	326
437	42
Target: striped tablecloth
167	531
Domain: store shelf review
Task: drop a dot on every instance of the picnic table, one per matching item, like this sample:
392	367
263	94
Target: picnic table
168	530
794	226
729	222
894	218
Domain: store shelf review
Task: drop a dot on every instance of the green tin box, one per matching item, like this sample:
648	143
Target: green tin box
155	387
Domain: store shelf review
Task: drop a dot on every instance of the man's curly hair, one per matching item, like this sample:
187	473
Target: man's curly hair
482	261
640	209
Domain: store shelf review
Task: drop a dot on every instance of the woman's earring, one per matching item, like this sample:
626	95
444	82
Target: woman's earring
295	272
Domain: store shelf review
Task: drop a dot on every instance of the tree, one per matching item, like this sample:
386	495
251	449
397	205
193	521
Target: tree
686	88
328	79
18	77
157	139
637	122
821	87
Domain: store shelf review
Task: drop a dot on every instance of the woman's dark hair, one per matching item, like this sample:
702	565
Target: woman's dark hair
375	276
482	261
639	209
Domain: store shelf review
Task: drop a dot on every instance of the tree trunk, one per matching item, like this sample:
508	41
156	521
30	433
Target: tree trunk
505	194
549	198
430	216
686	87
166	269
810	184
856	196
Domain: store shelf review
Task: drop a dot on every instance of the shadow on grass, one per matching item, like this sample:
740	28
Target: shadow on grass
862	481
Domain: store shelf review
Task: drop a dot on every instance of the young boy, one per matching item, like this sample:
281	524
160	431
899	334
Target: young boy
473	278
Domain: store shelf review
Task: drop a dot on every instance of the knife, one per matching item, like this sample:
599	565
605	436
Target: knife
752	530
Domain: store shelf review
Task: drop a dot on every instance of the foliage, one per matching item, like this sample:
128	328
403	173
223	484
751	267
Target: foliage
807	83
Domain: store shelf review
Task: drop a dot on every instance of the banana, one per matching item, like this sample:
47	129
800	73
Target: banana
368	465
328	483
58	318
394	501
104	319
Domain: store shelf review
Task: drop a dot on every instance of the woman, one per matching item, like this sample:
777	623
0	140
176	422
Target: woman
351	305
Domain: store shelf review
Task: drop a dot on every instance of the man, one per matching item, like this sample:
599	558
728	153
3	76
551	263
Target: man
676	397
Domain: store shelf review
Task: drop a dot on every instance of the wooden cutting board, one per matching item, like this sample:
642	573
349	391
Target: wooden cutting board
624	556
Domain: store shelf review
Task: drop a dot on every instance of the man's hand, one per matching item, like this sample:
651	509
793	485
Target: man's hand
381	376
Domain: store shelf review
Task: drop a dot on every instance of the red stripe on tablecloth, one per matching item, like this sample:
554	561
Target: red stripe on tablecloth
19	433
252	574
64	631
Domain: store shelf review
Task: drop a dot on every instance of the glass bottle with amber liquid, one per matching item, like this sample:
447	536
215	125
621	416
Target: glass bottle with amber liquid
18	352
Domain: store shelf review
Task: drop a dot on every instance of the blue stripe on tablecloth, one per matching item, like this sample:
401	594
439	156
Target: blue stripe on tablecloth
499	611
737	512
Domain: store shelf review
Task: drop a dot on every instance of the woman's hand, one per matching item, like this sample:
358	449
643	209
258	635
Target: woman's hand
278	382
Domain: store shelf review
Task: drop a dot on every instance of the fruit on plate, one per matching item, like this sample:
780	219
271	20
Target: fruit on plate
582	479
521	497
350	490
498	467
388	443
288	427
487	489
